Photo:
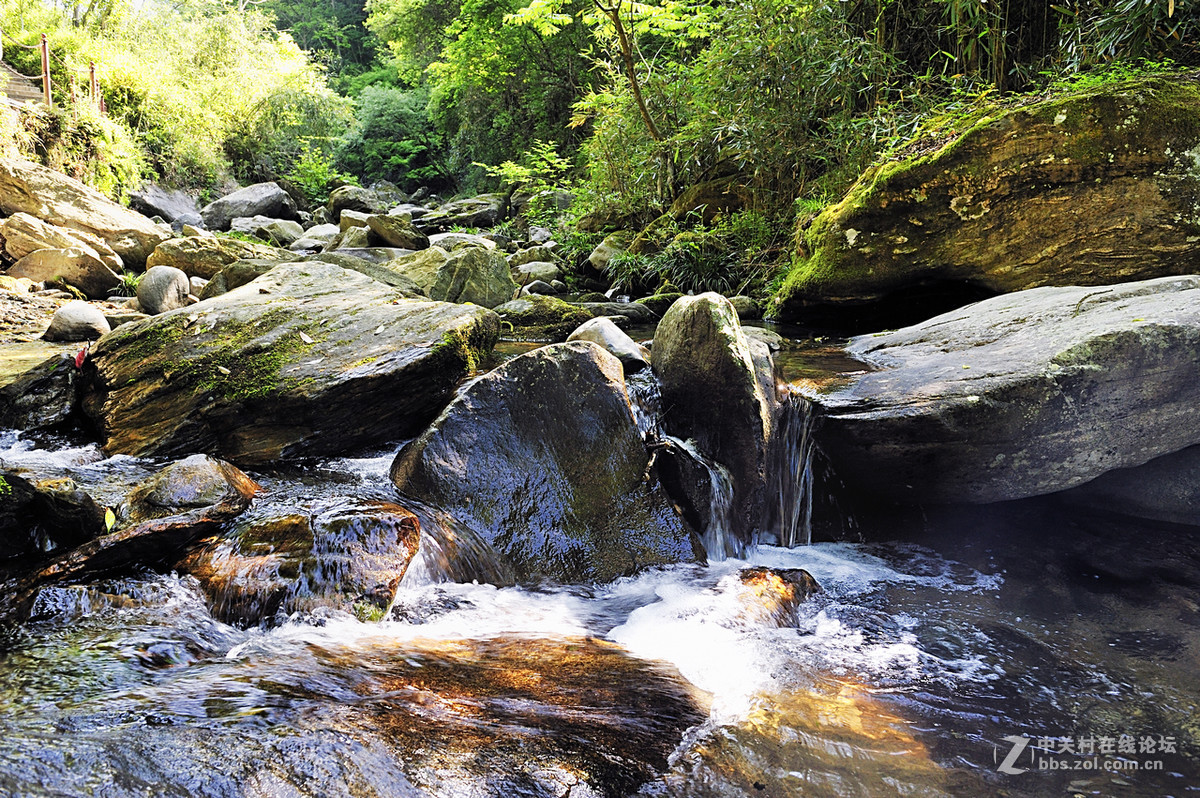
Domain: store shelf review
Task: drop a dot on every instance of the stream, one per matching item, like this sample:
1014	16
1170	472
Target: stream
1023	649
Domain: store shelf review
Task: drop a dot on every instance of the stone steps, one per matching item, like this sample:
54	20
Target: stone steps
17	87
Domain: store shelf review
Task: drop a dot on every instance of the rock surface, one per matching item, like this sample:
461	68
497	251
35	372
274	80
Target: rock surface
170	204
1020	395
397	231
80	267
485	210
307	359
1093	188
24	234
345	554
163	288
43	397
542	458
204	256
605	333
36	514
260	199
26	187
712	394
474	275
541	318
77	321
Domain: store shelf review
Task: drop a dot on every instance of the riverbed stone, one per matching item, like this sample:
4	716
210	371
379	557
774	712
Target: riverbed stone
484	210
40	514
345	554
605	333
308	359
357	199
43	398
170	204
163	288
1093	187
204	256
541	318
77	321
53	197
474	275
614	244
713	394
397	231
1020	395
24	234
315	238
276	232
542	459
373	270
79	267
260	199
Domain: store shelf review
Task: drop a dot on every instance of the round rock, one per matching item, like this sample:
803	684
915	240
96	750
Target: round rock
77	321
163	288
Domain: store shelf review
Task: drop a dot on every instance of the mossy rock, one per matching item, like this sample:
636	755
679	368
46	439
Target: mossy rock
1092	187
541	318
660	302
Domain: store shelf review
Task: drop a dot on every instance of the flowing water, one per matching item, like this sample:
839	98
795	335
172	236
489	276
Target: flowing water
940	645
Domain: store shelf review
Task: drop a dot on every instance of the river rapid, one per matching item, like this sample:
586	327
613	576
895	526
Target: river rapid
1023	649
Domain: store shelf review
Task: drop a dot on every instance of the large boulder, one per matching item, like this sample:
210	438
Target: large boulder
53	197
346	554
260	199
542	458
712	393
397	231
235	275
1093	188
204	256
307	359
163	288
541	318
276	232
606	334
24	234
44	397
356	198
170	204
421	267
1021	395
75	266
372	270
37	515
485	210
475	275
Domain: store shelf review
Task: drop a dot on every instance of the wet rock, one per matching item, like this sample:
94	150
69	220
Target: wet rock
474	275
26	187
612	339
714	395
77	321
541	318
539	287
349	555
204	256
38	515
771	596
396	231
307	359
772	339
1165	489
75	266
1020	395
163	288
543	459
43	398
1094	187
260	199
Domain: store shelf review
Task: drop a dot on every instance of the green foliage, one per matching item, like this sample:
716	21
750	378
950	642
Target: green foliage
128	285
740	253
1095	32
394	140
315	174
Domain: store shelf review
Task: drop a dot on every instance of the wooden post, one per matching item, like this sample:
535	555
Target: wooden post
92	85
46	72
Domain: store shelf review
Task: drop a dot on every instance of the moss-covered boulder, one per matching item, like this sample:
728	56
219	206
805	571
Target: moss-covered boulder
543	460
541	318
476	275
307	359
1093	187
421	267
204	256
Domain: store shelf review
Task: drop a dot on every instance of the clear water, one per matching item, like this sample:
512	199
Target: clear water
937	641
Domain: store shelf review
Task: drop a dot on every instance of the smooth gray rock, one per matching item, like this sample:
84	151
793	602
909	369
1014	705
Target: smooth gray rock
452	241
170	204
542	458
375	271
307	359
315	238
1021	395
396	231
355	198
537	270
77	321
612	339
484	210
75	266
163	288
538	287
260	199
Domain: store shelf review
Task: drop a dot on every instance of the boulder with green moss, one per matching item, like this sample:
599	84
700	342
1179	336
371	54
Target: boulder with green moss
541	318
476	275
308	359
1091	187
543	460
204	256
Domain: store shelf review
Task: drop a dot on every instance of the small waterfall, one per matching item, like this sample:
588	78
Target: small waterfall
790	471
717	536
645	399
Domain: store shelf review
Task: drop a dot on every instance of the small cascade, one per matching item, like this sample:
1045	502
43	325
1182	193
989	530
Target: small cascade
452	552
645	399
717	536
790	471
